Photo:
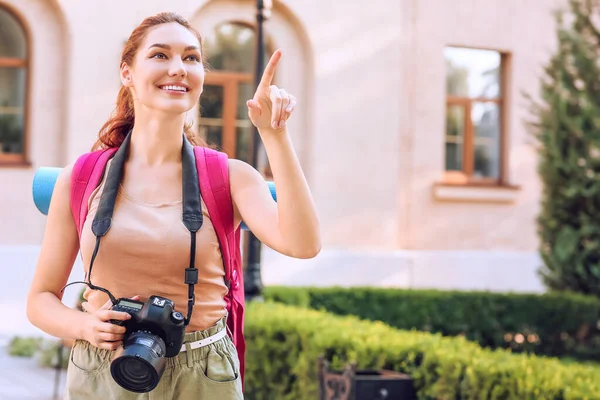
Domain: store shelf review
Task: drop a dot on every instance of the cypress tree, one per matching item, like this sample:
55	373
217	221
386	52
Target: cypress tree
567	127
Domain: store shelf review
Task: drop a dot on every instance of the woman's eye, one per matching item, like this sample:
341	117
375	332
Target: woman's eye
194	58
159	55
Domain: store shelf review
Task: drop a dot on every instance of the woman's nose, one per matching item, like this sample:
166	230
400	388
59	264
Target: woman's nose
177	68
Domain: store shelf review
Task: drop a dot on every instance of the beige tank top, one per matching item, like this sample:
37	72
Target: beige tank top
146	252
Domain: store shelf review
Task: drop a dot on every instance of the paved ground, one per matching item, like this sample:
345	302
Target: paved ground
22	379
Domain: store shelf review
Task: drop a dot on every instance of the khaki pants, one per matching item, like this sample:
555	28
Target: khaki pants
210	372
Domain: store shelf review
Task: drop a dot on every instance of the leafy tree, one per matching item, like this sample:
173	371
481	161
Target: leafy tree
567	126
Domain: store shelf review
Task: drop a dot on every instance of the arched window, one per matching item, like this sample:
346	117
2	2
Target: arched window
13	88
228	84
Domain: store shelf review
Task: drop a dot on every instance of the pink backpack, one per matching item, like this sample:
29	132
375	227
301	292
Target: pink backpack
213	174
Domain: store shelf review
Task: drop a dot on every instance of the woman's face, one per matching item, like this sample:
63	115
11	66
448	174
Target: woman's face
167	73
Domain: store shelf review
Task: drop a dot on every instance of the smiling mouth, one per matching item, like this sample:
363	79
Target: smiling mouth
174	88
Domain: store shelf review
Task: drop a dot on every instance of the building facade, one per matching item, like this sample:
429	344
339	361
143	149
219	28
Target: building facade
410	124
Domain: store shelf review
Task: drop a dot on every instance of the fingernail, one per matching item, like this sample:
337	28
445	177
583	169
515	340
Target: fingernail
274	124
288	109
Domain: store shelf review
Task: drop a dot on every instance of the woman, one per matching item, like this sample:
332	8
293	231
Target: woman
162	73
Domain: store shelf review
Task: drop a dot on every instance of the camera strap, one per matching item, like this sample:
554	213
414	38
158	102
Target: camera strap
191	214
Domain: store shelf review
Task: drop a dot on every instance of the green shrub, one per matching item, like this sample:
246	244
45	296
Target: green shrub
48	355
24	346
285	342
554	324
45	350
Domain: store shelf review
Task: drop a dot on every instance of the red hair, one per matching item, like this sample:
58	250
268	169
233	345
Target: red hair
114	131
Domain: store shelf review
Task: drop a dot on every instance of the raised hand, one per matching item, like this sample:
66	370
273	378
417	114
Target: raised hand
271	106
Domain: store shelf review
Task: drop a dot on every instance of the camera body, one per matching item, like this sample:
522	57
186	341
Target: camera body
156	316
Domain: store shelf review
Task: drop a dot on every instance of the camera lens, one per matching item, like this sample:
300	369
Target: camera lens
140	364
135	372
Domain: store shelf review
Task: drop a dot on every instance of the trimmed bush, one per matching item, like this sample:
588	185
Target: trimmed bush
45	350
284	344
48	355
554	324
24	346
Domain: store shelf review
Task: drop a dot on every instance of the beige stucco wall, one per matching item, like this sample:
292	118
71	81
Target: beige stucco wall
526	31
19	221
370	124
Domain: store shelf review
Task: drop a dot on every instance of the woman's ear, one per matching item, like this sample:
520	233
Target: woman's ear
126	75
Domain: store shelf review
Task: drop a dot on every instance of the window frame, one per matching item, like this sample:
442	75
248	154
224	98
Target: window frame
22	158
229	81
465	176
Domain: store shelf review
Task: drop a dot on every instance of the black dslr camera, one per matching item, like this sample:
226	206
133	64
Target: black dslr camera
155	331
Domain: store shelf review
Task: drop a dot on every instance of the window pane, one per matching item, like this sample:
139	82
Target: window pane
12	37
11	132
213	135
244	128
245	92
211	115
486	124
211	102
12	107
243	141
472	73
12	87
455	127
231	48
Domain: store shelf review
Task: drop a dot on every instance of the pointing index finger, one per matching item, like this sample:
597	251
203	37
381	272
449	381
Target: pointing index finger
269	71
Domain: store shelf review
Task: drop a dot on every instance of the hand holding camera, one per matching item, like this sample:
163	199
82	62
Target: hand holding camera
99	329
143	335
154	332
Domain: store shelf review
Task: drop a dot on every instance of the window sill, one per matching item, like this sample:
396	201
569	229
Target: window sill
13	162
476	192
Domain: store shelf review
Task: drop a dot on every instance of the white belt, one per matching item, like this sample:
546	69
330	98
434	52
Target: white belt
206	341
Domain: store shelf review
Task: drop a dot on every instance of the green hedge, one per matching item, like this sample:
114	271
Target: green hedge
45	350
24	346
284	344
554	324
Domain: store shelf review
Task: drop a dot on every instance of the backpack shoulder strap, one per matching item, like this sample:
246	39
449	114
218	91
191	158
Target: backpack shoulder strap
213	173
85	177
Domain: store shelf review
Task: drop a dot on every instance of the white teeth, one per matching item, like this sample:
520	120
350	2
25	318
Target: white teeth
171	87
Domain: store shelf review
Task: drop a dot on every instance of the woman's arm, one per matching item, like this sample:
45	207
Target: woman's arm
289	226
59	250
